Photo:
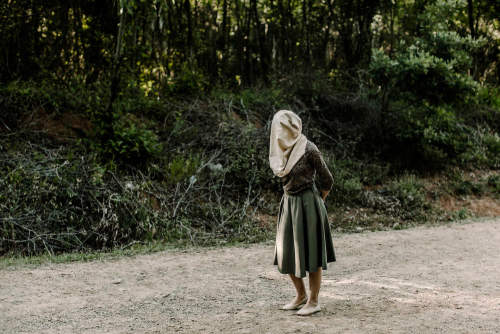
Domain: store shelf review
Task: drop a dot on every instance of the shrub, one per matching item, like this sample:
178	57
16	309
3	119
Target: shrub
180	167
488	108
434	112
417	75
19	99
132	140
244	156
409	191
347	187
494	182
58	199
55	200
466	187
255	105
404	197
127	140
188	80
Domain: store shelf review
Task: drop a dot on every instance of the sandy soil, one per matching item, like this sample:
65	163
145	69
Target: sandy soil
443	279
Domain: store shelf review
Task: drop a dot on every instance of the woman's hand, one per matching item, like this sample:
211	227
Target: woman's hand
324	193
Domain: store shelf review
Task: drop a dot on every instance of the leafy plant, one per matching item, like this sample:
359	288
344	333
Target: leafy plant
181	167
409	191
132	140
128	139
494	183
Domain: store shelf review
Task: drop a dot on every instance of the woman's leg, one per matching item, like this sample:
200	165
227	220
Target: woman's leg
312	305
301	295
299	286
314	285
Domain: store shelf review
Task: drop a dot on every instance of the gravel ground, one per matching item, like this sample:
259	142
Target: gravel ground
440	279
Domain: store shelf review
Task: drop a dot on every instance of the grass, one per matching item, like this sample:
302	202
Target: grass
16	260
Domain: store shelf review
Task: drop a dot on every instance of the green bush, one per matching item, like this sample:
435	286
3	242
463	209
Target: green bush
404	197
188	80
128	139
181	167
434	113
132	140
409	191
432	135
255	105
19	99
494	182
57	200
466	187
244	155
347	187
488	108
418	75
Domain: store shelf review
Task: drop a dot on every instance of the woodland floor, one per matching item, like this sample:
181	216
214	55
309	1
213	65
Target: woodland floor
428	279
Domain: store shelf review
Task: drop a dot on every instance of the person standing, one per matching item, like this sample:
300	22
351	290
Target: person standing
303	239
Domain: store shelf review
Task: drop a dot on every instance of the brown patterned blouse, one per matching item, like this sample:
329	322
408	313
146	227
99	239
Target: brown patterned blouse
302	175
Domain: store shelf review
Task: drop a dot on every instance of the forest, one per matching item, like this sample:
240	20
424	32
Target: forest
126	122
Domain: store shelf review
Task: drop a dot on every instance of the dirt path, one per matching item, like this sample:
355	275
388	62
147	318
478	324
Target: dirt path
443	279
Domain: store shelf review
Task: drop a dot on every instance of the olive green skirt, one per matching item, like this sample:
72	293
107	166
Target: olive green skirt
303	239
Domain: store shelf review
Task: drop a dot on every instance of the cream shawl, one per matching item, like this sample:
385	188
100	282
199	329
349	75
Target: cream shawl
287	143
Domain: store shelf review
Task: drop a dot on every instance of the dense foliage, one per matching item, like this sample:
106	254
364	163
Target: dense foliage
135	120
193	43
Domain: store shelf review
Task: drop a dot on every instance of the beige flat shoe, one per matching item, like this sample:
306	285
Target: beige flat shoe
308	310
294	306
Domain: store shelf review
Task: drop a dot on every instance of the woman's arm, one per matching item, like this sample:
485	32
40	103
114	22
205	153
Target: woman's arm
325	178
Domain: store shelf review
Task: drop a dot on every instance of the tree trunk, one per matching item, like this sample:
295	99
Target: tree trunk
470	11
115	79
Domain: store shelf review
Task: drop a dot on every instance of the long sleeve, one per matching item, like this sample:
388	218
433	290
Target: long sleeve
309	168
324	177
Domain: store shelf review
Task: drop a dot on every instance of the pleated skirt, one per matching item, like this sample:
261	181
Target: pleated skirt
303	239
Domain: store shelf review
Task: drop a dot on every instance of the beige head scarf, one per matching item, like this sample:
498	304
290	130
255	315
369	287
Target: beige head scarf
287	143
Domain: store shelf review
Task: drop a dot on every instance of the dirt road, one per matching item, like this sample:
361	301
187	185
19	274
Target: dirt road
443	279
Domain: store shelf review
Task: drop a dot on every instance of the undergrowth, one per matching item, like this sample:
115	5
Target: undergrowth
195	170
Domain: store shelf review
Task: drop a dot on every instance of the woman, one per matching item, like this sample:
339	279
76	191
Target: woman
303	239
